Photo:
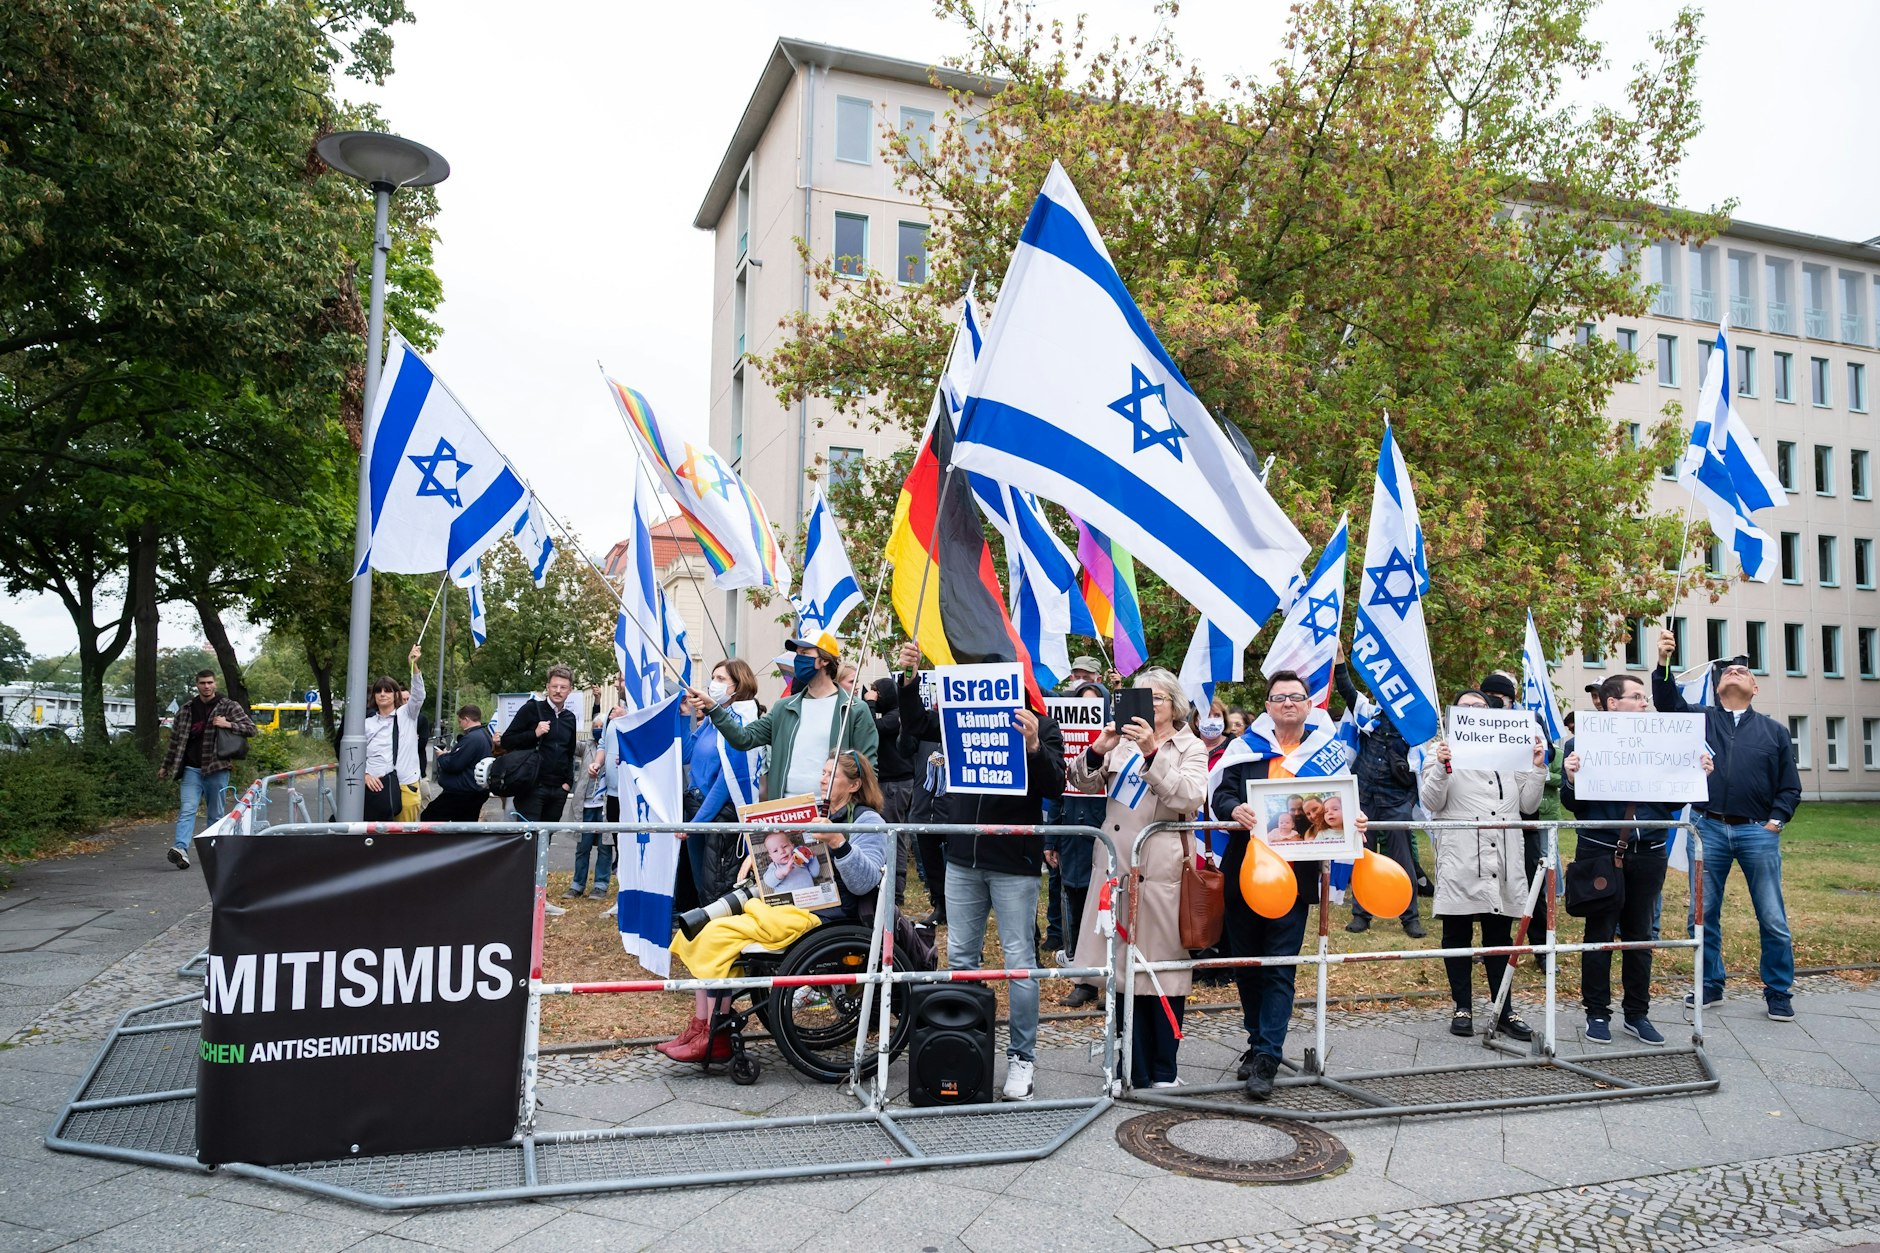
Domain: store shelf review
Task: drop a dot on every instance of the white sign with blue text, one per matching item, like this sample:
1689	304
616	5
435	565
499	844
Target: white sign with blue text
984	747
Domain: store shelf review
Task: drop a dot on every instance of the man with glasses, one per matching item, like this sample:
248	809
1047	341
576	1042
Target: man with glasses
1754	789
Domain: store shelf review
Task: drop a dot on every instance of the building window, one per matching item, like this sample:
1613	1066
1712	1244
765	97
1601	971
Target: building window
1857	387
1785	464
1583	334
855	124
1704	348
842	463
1791	557
1755	646
1785	376
1831	651
917	125
1835	737
1677	642
910	253
1828	560
851	244
1794	649
1716	639
1818	394
737	419
1626	338
1798	734
1668	360
1824	470
1858	485
1864	645
1870	742
1863	564
1593	653
1635	645
1713	556
1745	371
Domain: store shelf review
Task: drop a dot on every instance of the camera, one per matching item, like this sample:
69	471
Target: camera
693	921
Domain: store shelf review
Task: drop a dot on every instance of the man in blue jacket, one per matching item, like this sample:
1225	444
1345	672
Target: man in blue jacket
459	798
1754	789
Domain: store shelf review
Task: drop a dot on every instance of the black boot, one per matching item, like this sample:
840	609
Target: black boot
1260	1081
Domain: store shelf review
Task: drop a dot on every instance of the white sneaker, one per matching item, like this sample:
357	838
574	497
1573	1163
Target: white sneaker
552	910
1018	1080
1063	958
1167	1083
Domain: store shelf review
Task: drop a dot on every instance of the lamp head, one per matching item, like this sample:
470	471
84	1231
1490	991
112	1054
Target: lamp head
382	160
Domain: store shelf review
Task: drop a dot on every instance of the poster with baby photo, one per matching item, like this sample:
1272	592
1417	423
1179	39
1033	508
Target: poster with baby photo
1309	819
792	868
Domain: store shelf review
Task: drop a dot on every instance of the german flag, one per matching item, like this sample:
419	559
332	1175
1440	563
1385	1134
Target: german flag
961	611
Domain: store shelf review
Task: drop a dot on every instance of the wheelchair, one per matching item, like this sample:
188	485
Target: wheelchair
814	1027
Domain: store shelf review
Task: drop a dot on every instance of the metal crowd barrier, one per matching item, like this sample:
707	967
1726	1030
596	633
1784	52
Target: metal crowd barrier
1315	1094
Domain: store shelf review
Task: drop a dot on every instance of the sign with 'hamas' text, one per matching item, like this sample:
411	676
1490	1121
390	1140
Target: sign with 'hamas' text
982	742
1640	756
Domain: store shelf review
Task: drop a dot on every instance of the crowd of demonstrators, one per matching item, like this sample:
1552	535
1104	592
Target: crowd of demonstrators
1753	793
1638	854
460	798
195	762
1481	873
1387	792
803	728
1067	858
1150	773
392	741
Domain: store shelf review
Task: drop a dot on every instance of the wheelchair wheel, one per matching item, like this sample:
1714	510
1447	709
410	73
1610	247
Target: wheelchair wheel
816	1027
745	1069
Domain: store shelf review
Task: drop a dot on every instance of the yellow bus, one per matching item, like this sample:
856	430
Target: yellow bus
285	717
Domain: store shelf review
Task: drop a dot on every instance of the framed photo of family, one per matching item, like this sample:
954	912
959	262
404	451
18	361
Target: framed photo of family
1310	819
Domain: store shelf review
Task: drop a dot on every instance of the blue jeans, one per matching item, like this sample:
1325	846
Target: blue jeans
590	842
198	789
971	894
1266	992
1758	850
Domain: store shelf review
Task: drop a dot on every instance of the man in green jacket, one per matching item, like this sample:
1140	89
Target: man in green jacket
804	727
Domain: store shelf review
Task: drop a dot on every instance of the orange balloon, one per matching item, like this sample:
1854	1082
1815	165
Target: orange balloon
1380	885
1266	881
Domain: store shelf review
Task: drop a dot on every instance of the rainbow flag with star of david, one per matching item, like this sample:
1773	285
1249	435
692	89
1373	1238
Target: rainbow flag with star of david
739	544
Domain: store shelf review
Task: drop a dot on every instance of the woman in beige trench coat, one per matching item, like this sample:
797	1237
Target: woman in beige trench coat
1151	774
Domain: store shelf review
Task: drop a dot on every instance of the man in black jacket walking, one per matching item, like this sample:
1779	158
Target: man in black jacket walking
459	799
1754	789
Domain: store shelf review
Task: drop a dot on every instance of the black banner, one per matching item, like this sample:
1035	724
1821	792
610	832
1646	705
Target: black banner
364	995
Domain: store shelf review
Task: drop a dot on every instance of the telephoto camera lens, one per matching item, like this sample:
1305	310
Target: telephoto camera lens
692	921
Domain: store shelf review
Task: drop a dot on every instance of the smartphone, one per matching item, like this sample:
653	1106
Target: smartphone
1133	702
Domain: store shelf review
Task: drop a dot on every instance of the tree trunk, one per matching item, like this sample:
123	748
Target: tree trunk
234	687
143	608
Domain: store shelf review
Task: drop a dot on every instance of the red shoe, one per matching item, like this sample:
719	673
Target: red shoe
721	1044
683	1041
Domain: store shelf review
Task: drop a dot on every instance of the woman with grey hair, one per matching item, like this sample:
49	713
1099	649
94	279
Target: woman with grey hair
1151	772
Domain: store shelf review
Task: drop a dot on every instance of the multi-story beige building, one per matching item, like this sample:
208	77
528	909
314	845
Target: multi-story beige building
806	162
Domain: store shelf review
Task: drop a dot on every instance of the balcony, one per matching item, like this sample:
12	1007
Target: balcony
1815	323
1703	305
1781	317
1743	312
1853	329
1666	303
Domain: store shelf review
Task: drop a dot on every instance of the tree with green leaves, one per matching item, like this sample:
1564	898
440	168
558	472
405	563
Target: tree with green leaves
14	657
567	621
1405	216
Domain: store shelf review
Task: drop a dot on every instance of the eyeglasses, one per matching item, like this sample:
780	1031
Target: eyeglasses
1736	670
1158	699
1288	698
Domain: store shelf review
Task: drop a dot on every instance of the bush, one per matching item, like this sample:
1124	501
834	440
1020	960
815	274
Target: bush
52	793
269	752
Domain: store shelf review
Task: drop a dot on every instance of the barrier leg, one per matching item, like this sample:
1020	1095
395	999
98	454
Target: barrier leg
532	1023
1697	933
1125	988
884	940
1552	863
1315	1064
1505	993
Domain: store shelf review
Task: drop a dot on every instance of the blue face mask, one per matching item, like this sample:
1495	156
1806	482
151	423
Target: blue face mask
807	664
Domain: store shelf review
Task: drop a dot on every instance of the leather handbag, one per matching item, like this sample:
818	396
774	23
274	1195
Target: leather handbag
230	744
1203	899
1596	885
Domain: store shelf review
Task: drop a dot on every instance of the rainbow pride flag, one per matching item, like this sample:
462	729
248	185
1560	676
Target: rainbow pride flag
726	516
1108	582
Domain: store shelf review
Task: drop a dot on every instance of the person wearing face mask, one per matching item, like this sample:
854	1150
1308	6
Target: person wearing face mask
713	859
801	730
1481	875
1212	728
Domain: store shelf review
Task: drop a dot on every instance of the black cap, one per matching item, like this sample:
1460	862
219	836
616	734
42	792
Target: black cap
1594	687
1500	685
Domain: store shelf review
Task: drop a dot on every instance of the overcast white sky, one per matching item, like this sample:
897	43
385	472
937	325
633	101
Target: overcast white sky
581	141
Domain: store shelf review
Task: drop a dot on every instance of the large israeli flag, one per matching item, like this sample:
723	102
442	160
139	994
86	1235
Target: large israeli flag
1391	647
1537	685
1307	643
830	592
440	491
1076	400
648	780
1724	467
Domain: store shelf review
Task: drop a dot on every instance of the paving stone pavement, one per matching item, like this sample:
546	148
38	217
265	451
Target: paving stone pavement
1783	1157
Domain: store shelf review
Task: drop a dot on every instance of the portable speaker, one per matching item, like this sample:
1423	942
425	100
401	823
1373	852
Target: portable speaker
949	1051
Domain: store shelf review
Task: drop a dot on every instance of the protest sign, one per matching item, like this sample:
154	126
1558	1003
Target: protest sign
790	866
984	748
1640	756
1491	739
1081	719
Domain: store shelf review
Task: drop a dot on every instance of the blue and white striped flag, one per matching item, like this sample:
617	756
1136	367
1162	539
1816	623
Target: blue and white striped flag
674	635
829	593
1537	685
638	623
648	779
1307	642
1725	469
1076	400
533	538
1391	647
440	491
1046	603
743	769
1212	660
479	623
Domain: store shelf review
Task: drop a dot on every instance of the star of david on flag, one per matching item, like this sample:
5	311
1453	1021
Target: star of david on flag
830	593
1135	407
1307	641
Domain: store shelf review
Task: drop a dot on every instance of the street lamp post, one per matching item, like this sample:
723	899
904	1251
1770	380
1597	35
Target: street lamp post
384	163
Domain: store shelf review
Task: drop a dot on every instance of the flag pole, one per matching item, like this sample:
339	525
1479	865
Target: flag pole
441	585
619	600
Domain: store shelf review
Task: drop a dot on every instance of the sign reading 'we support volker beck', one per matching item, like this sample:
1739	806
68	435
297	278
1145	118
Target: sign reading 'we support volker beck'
984	747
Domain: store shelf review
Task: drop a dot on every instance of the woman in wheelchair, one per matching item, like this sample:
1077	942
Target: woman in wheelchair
814	1027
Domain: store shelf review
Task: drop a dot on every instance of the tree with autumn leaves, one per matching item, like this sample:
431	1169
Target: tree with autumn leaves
1406	215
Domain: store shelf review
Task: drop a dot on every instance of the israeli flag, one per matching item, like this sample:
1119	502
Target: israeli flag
1307	642
830	592
743	770
479	624
440	491
1725	469
1390	647
1212	660
1046	604
532	537
674	636
648	779
1694	685
1076	400
638	626
1537	686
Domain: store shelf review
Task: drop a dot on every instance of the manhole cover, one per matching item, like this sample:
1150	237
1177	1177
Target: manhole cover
1249	1149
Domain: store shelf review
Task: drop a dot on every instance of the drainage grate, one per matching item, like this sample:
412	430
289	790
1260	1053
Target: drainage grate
1232	1148
155	1061
165	1127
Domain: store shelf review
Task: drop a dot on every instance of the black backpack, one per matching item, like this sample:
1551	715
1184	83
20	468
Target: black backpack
514	773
